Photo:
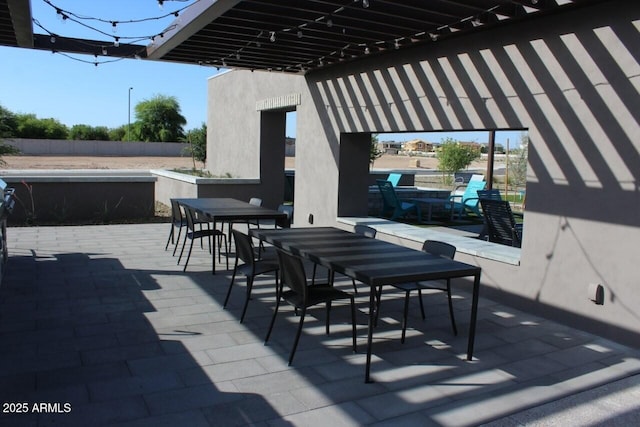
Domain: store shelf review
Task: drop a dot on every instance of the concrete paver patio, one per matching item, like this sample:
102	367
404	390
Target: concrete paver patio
100	324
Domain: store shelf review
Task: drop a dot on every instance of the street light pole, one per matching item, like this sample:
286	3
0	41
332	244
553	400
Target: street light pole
129	116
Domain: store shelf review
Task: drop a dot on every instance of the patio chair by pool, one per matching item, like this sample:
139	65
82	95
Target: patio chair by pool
433	247
252	266
394	178
393	207
468	201
303	296
500	223
193	234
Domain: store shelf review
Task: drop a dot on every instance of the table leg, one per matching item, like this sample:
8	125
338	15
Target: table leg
474	316
213	250
372	306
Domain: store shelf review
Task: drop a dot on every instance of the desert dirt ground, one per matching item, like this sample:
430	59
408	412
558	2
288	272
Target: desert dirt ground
108	162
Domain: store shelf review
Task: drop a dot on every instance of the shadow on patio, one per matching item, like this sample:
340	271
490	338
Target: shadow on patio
101	317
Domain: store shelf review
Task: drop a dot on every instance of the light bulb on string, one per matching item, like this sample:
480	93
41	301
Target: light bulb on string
160	4
329	22
104	51
116	42
272	37
114	27
365	3
299	34
53	38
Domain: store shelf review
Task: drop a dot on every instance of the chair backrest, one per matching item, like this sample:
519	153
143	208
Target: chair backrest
394	178
244	247
365	231
389	197
176	212
286	209
292	273
470	196
255	201
501	225
493	194
438	248
190	215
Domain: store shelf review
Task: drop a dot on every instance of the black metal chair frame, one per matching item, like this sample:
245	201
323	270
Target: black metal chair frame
303	296
500	223
250	268
194	234
435	248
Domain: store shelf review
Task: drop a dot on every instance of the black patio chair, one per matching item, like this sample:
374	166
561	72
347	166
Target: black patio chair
177	221
302	296
500	223
251	267
435	248
193	234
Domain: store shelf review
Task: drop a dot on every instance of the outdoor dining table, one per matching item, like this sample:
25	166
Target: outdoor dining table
373	262
228	210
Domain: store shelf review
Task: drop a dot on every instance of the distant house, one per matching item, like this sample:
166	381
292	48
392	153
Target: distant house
390	147
418	145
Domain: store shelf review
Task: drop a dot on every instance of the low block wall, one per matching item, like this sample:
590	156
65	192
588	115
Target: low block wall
54	197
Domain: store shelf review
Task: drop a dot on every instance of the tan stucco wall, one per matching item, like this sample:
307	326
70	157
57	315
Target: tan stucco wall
570	79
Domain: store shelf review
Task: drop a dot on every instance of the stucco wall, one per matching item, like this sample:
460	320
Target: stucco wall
570	79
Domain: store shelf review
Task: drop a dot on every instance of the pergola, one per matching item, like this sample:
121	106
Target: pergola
294	36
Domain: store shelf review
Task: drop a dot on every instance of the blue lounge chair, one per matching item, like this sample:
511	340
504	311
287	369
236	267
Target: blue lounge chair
392	206
394	178
460	204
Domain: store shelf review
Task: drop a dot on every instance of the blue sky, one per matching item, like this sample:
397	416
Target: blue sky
52	85
75	92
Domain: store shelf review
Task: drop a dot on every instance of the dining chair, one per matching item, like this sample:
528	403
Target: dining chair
303	296
193	234
251	267
433	247
177	221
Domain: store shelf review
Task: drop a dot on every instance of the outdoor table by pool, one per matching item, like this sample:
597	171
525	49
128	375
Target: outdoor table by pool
227	209
373	262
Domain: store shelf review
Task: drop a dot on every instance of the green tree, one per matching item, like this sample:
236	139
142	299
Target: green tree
8	123
197	139
374	152
29	126
159	119
453	156
118	134
89	133
518	166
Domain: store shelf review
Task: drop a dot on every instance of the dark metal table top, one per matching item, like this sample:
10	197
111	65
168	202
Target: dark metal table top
227	209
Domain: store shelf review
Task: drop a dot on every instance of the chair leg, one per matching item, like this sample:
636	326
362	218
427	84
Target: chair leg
378	300
170	238
295	342
247	298
404	316
355	287
421	305
177	240
326	324
188	256
233	278
275	313
353	322
453	319
184	242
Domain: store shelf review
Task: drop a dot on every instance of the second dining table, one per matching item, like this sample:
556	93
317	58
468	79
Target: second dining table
223	209
373	262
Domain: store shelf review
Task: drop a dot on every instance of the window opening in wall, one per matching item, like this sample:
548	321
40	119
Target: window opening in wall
452	166
290	157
